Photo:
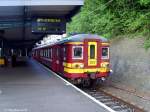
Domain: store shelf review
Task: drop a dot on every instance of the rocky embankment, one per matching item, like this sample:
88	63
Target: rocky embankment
131	65
130	80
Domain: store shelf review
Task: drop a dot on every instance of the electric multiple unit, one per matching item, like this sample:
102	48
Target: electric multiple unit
80	58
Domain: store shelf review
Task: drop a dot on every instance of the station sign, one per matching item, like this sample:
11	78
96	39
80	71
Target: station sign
49	25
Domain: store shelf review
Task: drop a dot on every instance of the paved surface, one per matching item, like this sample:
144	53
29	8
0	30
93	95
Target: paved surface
31	88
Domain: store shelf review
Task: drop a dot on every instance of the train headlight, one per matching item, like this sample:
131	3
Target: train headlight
78	65
81	65
105	65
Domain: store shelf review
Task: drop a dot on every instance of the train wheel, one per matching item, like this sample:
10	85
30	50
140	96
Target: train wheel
86	83
94	83
100	82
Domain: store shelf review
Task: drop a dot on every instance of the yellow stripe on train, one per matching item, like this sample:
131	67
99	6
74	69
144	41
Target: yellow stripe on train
69	70
105	44
72	65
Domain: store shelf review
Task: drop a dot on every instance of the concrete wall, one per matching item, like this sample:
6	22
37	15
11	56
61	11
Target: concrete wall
131	64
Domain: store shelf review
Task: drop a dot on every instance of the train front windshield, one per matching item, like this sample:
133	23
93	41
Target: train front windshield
77	52
92	51
105	53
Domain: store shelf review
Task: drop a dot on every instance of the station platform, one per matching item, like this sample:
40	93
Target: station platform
30	87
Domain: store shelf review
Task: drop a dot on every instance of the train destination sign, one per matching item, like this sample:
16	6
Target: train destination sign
49	25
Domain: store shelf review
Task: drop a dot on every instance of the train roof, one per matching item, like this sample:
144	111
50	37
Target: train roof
77	38
81	37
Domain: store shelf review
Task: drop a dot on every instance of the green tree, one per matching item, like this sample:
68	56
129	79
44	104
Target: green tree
111	18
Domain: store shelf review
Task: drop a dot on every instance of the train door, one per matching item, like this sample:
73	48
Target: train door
91	51
54	58
57	59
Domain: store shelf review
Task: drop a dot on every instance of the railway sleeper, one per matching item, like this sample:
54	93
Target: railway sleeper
110	103
118	108
97	95
125	110
102	97
122	108
105	100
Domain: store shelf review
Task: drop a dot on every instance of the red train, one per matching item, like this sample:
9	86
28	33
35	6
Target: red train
79	58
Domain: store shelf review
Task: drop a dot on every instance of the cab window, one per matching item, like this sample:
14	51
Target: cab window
92	51
77	52
105	53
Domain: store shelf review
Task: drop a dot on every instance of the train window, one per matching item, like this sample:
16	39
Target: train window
65	53
47	53
105	53
41	53
92	51
51	51
77	52
57	52
35	53
44	53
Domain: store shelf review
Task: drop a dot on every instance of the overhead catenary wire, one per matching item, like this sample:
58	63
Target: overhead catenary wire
100	8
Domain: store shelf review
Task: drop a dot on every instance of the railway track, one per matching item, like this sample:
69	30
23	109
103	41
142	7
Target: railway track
113	102
116	104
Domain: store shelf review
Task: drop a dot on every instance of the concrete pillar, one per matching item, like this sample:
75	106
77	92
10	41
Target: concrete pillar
2	48
12	51
26	52
20	53
0	52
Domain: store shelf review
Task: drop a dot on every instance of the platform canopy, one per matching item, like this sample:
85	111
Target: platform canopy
16	17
